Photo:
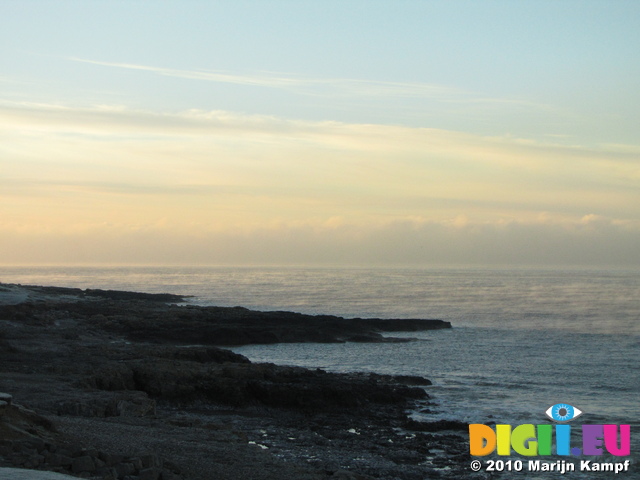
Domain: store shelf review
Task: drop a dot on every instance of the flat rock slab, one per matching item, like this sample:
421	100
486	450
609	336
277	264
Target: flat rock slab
23	474
12	295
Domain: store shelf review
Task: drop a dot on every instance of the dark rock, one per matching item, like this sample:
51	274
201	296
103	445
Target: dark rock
124	469
107	473
34	461
270	385
143	317
167	475
65	452
136	462
149	474
122	295
91	452
5	449
412	380
151	461
110	358
110	459
35	443
83	464
437	426
196	354
343	475
170	467
58	460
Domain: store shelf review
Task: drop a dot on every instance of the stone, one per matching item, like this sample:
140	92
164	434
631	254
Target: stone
5	449
83	464
110	458
344	475
150	460
34	461
107	473
136	462
35	443
60	460
149	474
125	468
169	465
64	451
140	407
166	475
5	397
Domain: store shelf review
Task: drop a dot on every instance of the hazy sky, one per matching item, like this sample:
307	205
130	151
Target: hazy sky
320	132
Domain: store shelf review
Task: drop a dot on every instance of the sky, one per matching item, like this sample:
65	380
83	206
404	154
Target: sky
355	133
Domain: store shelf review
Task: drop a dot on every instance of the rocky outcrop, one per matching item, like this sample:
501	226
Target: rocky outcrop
246	384
17	422
37	454
144	317
240	326
30	441
124	386
108	294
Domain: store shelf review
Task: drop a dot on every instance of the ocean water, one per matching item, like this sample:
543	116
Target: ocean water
522	339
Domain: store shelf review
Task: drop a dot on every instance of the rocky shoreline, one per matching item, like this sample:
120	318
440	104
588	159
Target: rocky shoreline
124	385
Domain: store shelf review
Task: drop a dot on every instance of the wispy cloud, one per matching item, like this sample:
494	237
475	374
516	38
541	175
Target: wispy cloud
253	168
326	86
112	120
27	187
212	76
380	141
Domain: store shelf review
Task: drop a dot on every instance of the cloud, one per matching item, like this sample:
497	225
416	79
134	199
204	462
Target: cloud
400	146
328	86
112	120
350	86
45	187
212	76
67	169
334	242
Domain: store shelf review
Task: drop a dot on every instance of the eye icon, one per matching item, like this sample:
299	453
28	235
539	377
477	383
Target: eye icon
563	412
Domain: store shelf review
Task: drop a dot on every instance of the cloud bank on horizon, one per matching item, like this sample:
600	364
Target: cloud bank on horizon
169	134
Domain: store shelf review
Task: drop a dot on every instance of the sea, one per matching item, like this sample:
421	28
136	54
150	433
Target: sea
522	339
